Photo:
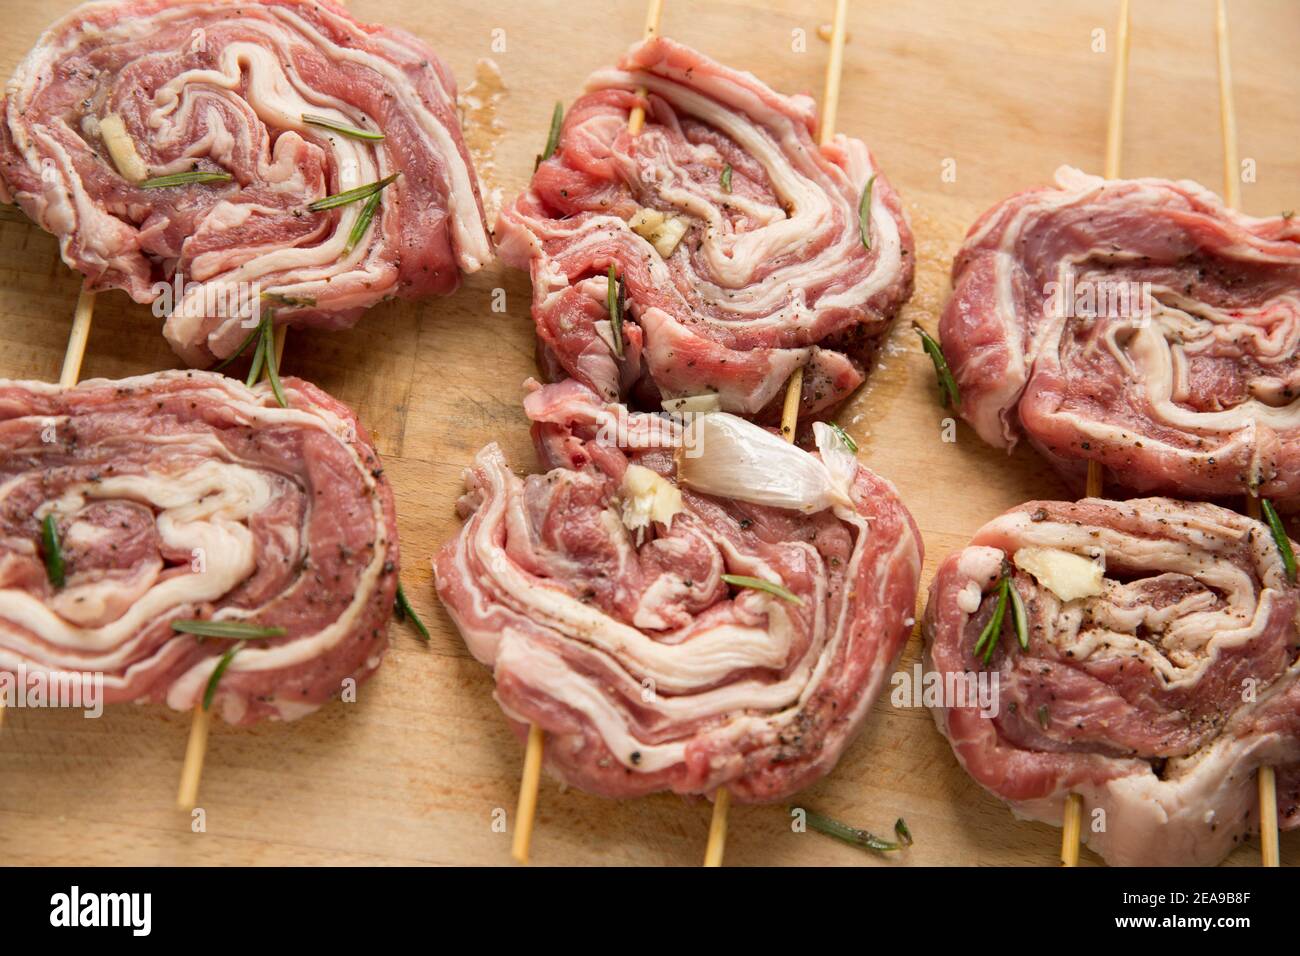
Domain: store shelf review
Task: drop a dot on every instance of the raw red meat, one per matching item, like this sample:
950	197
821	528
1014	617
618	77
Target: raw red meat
645	668
185	495
1156	699
1138	323
770	272
224	87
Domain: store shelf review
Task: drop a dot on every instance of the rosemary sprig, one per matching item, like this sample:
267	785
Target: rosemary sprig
187	178
553	137
334	126
947	384
726	178
268	355
864	214
1280	537
843	436
758	584
614	300
362	225
257	330
259	355
351	195
1018	615
860	838
54	567
402	608
290	301
233	630
993	629
1044	716
210	691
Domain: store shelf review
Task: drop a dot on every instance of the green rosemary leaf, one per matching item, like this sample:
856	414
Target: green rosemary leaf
860	838
187	179
268	354
1018	615
259	355
257	330
1280	538
613	301
947	384
235	630
289	301
210	691
406	612
362	225
726	178
324	122
864	214
758	584
988	638
54	568
553	137
351	195
844	437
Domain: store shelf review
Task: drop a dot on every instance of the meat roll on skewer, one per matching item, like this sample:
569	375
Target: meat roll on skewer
681	605
1137	323
1147	659
741	249
193	143
132	508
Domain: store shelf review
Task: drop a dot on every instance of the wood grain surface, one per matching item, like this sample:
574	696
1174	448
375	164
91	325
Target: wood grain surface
418	770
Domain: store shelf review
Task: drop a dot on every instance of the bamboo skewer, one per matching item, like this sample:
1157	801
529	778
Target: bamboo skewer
1227	110
834	73
826	135
528	785
794	388
1267	776
654	12
78	335
1118	94
1114	151
1072	819
718	828
77	338
531	777
196	747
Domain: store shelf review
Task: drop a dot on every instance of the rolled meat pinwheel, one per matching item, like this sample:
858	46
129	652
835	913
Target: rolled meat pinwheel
738	249
196	154
1145	656
1137	323
666	638
150	526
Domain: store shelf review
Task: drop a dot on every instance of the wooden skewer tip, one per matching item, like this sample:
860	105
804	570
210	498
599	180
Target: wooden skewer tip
187	796
718	828
1269	851
1071	829
528	786
1118	91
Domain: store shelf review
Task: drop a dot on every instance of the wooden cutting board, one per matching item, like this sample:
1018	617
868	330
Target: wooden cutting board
964	101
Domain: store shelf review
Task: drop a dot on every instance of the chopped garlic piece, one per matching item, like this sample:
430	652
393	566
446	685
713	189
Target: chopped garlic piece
698	404
648	497
1064	573
661	231
122	148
